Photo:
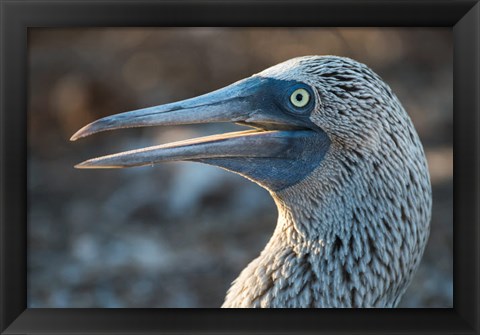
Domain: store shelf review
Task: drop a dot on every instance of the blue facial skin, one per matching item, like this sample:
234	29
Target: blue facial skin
308	144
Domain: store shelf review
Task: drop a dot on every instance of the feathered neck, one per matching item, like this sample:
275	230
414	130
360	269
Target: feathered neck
339	242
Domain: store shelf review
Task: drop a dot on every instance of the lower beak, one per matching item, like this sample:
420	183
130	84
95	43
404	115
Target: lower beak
242	102
245	144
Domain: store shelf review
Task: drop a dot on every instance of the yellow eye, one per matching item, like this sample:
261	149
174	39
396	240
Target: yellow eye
300	97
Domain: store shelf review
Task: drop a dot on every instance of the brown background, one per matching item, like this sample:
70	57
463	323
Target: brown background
176	235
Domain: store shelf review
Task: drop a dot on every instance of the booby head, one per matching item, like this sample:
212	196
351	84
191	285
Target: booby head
284	146
339	155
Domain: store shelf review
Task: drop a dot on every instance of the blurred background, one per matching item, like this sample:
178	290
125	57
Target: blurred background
177	234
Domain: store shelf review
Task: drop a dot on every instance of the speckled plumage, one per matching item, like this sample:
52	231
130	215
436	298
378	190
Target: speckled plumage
352	232
343	163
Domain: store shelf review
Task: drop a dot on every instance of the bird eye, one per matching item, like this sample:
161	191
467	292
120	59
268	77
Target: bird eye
300	97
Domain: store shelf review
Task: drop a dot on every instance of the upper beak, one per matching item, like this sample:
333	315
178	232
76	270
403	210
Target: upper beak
243	102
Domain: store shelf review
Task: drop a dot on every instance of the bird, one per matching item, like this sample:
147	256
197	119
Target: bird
339	155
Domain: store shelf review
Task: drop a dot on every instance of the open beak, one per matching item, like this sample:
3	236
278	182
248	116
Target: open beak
234	103
277	135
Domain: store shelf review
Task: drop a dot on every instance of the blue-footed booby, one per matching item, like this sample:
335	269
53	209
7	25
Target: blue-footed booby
341	158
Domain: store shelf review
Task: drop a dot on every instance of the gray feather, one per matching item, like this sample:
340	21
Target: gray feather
351	233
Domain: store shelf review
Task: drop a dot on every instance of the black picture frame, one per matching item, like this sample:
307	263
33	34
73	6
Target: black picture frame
16	16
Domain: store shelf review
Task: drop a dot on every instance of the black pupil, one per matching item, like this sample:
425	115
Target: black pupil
299	97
